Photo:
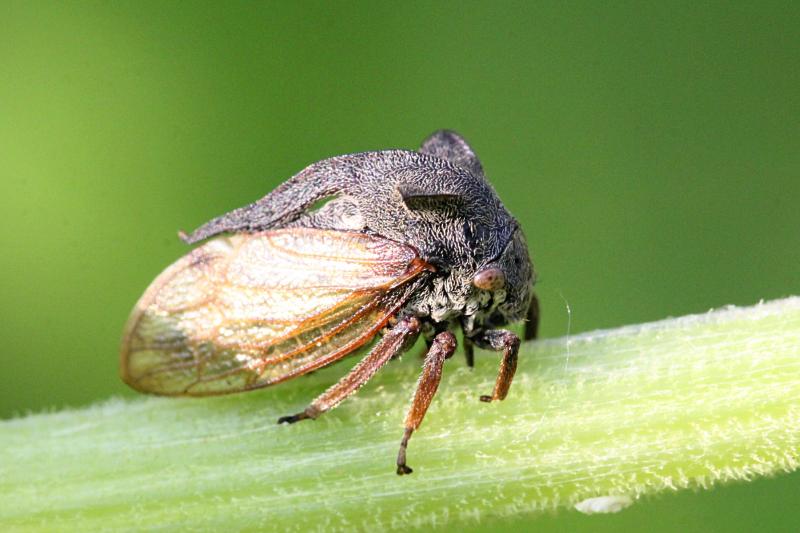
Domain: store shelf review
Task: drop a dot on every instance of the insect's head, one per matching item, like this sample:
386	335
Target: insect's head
510	278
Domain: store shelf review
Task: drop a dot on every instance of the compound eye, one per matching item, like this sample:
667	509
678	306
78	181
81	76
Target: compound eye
490	279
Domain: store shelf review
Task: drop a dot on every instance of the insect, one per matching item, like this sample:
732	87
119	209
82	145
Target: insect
395	244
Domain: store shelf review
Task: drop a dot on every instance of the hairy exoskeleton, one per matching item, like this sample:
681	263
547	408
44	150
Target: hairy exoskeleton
468	266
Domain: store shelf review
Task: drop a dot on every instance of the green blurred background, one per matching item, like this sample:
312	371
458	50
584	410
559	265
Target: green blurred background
650	152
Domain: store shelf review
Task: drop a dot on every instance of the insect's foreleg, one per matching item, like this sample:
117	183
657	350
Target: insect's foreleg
532	320
396	340
444	344
507	342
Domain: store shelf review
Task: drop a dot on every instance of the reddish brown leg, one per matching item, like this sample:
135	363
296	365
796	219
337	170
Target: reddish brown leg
444	344
399	338
508	343
532	320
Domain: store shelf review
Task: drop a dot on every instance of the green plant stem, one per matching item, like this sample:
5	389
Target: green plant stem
684	402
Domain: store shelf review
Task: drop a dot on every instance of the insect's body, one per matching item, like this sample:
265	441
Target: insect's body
456	222
428	220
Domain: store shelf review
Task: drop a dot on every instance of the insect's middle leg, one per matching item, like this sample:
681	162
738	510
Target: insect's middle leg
469	351
444	344
507	342
395	341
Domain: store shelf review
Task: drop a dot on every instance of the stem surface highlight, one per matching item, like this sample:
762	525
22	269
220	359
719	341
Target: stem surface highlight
684	402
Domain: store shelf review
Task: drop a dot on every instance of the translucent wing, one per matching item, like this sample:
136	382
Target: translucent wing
249	310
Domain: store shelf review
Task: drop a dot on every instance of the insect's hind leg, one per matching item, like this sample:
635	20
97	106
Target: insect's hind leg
444	344
395	341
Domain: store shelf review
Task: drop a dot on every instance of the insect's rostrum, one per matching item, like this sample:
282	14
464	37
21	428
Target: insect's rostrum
408	243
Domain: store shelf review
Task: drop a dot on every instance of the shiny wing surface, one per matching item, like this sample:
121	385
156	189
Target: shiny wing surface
249	310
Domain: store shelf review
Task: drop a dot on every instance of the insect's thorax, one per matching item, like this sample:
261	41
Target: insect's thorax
458	239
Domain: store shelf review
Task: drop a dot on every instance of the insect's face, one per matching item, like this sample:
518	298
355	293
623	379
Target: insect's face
509	279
